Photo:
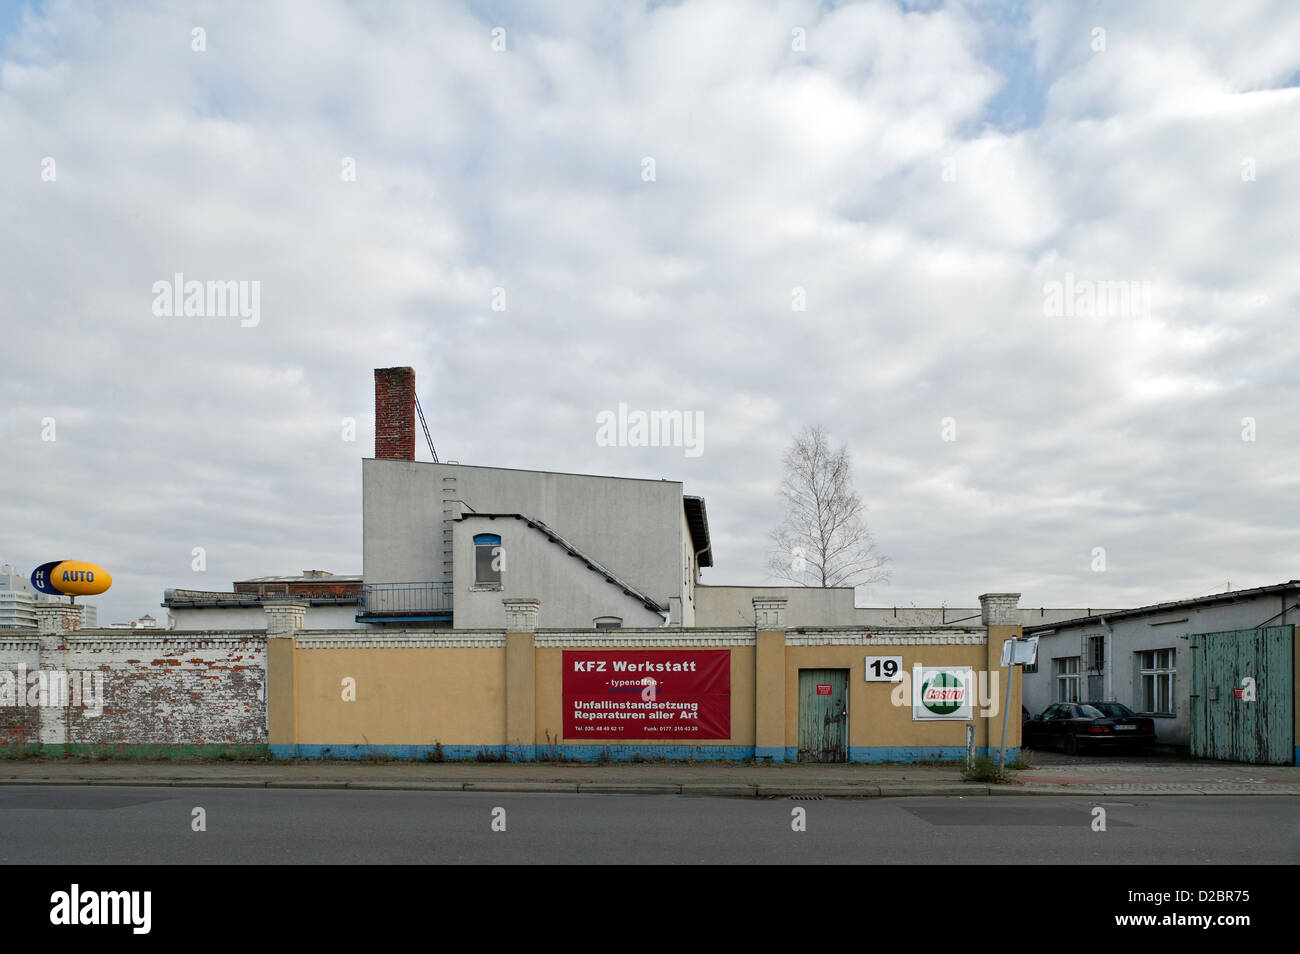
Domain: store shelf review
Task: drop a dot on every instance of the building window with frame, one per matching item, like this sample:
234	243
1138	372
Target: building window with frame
1156	673
1096	653
1067	678
489	560
608	622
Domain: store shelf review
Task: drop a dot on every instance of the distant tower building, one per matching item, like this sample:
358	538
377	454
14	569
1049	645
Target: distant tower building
17	600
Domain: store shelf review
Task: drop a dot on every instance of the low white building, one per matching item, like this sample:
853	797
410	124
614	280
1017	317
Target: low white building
834	606
331	602
1144	657
144	622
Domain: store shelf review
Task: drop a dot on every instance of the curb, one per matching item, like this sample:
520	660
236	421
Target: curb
720	790
908	789
210	783
1093	791
866	790
380	785
694	789
629	788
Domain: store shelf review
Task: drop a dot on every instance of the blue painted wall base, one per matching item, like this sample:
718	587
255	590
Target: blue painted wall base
923	753
624	753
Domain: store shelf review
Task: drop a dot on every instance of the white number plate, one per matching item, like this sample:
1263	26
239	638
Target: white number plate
884	668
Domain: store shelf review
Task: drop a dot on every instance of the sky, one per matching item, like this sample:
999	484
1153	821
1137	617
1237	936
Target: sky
1033	264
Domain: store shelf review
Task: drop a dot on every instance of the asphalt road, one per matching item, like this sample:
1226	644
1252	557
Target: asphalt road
127	825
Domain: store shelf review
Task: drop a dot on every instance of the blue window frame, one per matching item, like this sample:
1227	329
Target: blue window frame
489	559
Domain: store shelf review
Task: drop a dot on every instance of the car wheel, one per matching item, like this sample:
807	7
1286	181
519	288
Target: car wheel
1071	744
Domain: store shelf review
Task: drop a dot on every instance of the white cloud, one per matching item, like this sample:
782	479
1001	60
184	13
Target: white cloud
774	169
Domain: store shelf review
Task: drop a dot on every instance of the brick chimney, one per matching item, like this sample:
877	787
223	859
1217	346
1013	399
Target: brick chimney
394	413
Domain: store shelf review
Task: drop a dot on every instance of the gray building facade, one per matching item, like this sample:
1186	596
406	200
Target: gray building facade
1142	657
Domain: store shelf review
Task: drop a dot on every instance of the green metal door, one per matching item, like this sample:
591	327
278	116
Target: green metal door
1241	698
823	715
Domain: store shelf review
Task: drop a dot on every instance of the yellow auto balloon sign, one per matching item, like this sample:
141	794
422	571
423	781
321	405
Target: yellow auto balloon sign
71	578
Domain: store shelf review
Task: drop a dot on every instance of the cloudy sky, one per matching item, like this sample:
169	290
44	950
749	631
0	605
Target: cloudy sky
905	222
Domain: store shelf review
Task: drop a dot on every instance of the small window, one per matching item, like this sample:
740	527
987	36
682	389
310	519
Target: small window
1067	679
1096	654
608	622
1157	673
489	559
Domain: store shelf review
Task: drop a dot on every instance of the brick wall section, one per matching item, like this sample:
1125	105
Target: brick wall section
319	589
395	413
190	689
18	725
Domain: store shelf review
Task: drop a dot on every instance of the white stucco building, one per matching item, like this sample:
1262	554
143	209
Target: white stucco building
445	543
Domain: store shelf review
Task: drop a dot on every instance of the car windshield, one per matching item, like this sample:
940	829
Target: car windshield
1115	710
1091	712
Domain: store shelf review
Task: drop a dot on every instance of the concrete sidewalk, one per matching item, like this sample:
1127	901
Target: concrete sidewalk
853	780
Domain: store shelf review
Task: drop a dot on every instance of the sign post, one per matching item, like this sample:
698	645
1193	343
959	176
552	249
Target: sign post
1015	652
1006	715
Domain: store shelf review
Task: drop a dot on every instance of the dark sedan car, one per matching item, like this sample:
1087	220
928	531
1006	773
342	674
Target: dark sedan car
1076	725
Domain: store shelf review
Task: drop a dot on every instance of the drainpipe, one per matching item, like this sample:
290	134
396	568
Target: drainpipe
695	570
1106	669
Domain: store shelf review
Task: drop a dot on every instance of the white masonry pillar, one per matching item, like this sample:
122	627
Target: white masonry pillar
284	617
521	615
55	621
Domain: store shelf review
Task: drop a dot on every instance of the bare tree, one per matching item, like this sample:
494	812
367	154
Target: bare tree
823	539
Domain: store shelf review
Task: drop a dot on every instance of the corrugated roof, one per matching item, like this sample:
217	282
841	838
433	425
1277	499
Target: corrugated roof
326	578
1231	596
194	599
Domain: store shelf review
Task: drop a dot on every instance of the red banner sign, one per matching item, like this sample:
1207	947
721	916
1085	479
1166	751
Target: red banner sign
824	689
660	694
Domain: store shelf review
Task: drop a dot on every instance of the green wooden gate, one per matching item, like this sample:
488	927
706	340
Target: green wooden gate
1241	695
823	715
